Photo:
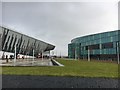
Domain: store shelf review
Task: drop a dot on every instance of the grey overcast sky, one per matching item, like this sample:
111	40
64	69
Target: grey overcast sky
59	22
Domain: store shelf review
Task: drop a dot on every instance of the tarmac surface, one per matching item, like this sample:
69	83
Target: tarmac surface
15	81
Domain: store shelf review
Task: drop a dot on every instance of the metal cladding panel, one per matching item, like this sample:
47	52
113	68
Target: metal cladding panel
24	43
37	46
49	47
43	46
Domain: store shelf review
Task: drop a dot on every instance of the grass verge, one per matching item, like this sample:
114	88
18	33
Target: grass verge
78	68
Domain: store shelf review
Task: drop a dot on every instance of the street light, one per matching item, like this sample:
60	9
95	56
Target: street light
49	54
88	54
33	55
56	53
75	53
42	55
118	52
15	55
60	54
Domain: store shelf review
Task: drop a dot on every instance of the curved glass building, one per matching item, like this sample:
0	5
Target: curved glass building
101	46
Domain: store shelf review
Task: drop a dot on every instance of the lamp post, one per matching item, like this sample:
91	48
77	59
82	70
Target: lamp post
33	55
42	55
49	54
15	55
60	54
75	53
118	52
56	53
88	54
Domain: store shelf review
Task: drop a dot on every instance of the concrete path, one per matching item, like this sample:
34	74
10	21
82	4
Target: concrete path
27	62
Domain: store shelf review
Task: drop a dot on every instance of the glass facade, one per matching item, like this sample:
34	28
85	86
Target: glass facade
100	46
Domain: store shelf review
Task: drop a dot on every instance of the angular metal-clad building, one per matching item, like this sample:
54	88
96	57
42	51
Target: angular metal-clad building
101	46
24	44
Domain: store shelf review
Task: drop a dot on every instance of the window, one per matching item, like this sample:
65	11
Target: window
107	45
92	47
86	47
96	46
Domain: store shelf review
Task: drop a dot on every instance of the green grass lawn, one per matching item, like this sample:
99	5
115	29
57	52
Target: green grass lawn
80	68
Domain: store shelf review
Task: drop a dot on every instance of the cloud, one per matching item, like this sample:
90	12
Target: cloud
58	23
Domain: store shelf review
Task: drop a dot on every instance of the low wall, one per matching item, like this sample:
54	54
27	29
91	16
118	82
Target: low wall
55	63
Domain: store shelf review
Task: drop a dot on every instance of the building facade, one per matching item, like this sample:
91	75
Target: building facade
101	46
24	44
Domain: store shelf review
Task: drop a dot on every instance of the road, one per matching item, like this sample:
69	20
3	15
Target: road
17	81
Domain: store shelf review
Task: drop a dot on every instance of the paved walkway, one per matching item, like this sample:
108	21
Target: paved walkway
27	62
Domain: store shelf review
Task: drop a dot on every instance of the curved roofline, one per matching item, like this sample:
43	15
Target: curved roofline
25	35
93	34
